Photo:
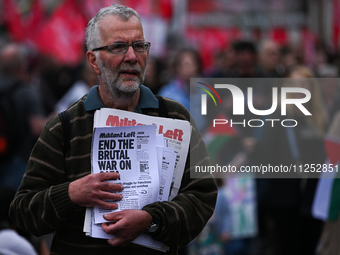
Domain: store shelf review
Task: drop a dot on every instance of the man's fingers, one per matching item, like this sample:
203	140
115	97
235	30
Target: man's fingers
112	228
110	196
111	186
107	227
128	225
108	176
113	216
107	205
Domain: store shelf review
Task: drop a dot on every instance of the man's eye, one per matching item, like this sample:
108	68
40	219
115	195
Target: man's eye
139	46
117	48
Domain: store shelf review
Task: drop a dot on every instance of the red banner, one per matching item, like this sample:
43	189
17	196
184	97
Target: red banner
336	23
12	19
210	41
63	34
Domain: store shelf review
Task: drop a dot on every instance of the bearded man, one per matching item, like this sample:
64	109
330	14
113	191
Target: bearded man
58	187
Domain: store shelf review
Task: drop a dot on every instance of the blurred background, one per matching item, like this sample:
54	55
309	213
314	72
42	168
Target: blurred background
308	30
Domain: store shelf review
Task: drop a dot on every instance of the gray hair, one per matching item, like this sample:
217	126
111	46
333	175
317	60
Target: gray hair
93	37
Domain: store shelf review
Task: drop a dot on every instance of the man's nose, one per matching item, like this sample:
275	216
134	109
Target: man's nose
130	55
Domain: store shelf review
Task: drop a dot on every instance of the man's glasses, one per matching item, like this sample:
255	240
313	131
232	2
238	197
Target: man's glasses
118	48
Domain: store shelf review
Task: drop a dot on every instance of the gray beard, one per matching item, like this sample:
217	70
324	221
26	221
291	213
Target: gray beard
116	85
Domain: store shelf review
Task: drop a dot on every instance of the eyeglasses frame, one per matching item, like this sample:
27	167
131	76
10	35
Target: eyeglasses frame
127	48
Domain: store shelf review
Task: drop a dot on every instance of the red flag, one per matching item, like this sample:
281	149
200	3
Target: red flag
279	35
12	20
91	7
143	7
166	8
36	17
63	35
216	138
336	23
209	41
333	150
225	129
19	27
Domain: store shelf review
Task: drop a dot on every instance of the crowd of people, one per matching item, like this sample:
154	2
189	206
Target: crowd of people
39	88
285	224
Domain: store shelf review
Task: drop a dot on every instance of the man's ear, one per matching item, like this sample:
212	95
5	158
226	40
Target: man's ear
91	58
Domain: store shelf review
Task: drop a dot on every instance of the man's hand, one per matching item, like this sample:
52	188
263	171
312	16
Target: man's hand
92	189
129	225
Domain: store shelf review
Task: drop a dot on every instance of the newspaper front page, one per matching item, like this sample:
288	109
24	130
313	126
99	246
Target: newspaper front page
129	151
171	157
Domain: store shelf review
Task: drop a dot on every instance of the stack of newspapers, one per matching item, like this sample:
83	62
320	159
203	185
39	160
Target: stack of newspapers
148	152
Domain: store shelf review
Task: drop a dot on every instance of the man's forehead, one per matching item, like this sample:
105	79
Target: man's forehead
113	28
117	22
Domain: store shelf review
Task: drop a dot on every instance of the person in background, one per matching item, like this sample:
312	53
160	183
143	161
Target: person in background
152	75
224	61
88	79
246	61
269	59
53	80
285	203
288	59
12	240
186	65
30	119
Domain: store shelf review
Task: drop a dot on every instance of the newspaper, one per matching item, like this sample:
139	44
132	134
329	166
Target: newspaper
130	152
172	152
177	134
166	163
